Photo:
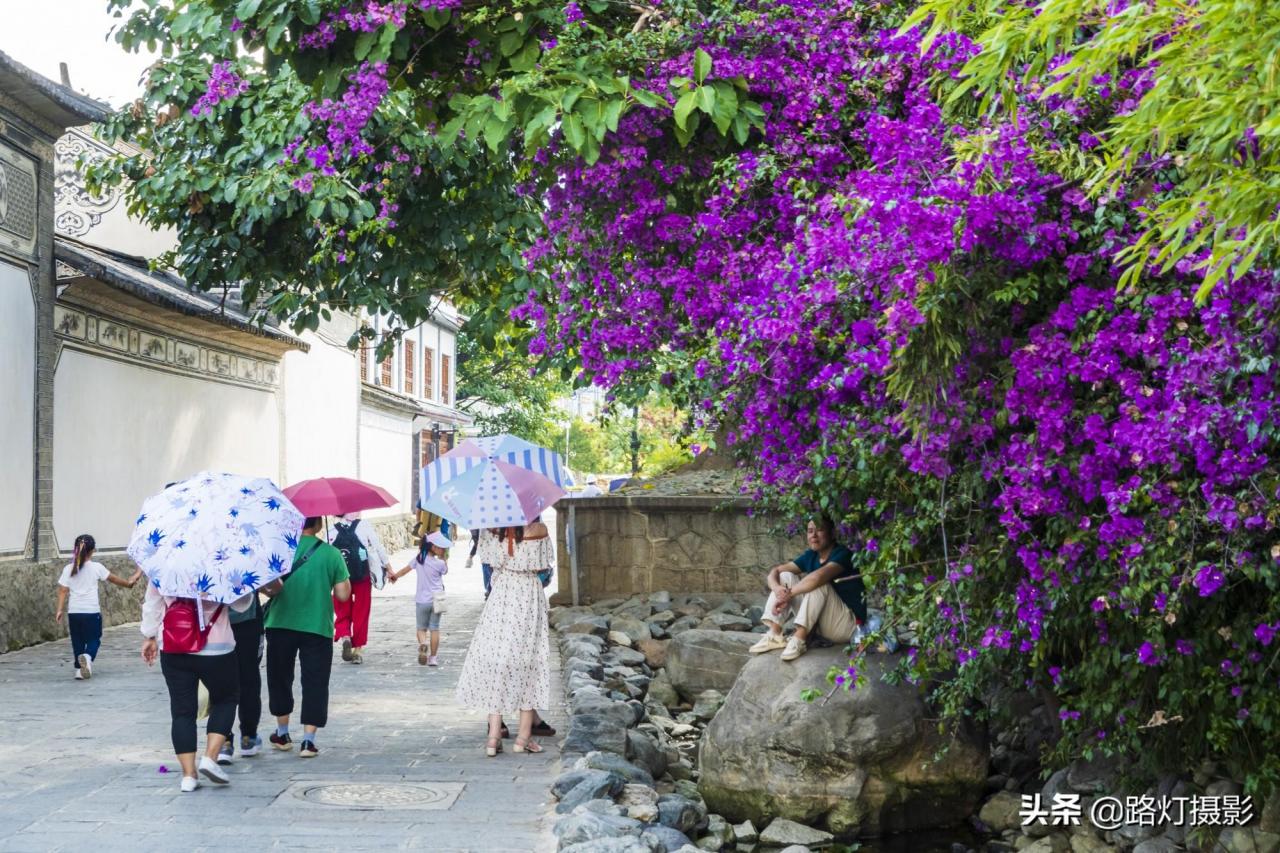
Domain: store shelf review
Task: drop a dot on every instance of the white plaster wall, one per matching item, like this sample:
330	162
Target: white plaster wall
321	394
17	415
121	431
386	457
449	347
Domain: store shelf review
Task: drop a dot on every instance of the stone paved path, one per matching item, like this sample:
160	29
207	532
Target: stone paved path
79	761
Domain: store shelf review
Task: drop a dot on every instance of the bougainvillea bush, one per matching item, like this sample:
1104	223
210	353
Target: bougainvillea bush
900	307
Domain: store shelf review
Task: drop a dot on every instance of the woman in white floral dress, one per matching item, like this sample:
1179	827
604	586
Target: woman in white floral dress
507	668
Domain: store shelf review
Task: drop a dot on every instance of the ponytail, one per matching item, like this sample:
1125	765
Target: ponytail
85	546
424	548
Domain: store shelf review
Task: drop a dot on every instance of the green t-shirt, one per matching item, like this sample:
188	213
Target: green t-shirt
306	602
851	592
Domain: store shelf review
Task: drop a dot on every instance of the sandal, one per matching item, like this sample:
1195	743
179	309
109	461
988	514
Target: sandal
541	729
505	733
529	745
492	746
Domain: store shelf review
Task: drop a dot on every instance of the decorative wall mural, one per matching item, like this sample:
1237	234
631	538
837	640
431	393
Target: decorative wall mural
103	334
17	202
76	210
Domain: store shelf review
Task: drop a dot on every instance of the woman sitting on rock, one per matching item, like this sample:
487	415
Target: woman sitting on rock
821	588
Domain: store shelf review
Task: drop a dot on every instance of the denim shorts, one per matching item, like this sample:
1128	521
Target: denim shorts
428	618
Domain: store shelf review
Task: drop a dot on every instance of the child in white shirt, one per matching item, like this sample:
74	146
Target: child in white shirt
79	581
431	568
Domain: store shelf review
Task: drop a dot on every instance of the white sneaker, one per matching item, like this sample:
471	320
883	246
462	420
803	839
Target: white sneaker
86	667
211	771
768	643
431	661
795	648
189	784
78	676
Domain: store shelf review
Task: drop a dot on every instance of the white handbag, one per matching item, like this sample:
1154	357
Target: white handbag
439	604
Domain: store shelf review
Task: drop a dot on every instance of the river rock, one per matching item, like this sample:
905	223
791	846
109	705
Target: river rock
590	785
617	638
679	812
595	625
591	826
719	834
645	752
1240	839
1003	811
709	702
654	651
1156	845
626	657
745	833
670	840
591	669
636	629
783	833
863	763
626	844
729	621
684	623
661	690
591	732
618	766
699	660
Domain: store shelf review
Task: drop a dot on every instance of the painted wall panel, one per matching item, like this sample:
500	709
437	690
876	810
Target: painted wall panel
17	415
121	431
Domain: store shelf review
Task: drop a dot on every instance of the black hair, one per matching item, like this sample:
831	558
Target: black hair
85	546
312	521
824	522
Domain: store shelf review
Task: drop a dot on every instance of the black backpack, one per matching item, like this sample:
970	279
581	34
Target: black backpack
346	541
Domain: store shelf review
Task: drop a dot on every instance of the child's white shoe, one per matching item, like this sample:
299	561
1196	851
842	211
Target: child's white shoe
431	661
189	784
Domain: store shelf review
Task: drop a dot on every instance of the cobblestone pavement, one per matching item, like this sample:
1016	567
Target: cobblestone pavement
79	761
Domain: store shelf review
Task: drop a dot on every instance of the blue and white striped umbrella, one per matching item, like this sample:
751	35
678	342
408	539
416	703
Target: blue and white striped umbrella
496	481
216	537
506	448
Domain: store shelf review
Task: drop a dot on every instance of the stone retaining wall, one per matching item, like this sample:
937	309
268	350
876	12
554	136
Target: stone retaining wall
28	598
640	544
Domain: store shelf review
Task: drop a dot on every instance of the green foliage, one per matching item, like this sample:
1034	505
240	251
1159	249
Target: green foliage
468	89
506	390
1212	110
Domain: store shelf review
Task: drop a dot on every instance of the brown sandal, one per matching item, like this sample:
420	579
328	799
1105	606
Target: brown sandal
529	745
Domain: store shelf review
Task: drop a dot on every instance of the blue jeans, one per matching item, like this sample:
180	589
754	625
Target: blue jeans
86	634
487	571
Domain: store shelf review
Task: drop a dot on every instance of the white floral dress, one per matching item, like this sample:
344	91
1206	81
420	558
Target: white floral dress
507	668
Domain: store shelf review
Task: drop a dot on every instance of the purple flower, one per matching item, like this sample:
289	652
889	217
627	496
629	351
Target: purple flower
1208	580
1147	655
1264	633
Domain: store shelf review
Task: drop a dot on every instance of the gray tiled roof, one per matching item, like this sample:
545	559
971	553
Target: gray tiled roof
131	275
52	101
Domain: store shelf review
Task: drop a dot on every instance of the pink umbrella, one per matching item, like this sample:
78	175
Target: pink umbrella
337	496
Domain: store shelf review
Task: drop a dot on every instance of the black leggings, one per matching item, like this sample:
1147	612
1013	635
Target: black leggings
248	661
314	654
182	673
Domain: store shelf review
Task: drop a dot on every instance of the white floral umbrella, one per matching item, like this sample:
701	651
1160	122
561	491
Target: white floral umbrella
216	537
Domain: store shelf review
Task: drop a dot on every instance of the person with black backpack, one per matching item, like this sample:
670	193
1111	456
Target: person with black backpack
366	561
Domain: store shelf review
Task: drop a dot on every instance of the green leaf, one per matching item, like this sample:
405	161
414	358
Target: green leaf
247	9
706	96
364	44
495	131
510	43
574	133
527	57
684	106
612	113
701	65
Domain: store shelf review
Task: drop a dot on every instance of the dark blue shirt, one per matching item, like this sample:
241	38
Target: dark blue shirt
851	592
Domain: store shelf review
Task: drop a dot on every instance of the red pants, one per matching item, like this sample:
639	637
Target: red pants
351	617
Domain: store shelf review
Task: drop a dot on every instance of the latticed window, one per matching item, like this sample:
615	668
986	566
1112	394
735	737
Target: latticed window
428	373
364	359
387	376
410	360
444	379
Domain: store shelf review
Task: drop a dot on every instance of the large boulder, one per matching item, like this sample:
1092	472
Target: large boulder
699	660
861	764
